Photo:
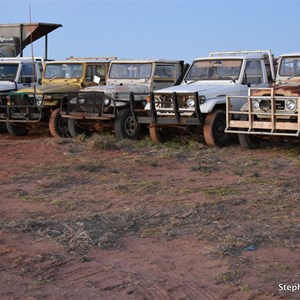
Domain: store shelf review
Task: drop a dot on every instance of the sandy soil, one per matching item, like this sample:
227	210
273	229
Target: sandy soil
99	219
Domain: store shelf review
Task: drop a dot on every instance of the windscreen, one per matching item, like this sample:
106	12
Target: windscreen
216	69
290	66
8	72
130	71
63	71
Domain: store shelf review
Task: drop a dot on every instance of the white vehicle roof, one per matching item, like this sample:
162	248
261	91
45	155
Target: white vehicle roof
290	54
242	53
228	57
223	57
141	61
20	59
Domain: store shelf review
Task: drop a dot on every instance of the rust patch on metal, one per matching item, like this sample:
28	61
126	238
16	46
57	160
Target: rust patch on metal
288	90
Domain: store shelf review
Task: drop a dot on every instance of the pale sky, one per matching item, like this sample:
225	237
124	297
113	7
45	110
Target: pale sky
168	29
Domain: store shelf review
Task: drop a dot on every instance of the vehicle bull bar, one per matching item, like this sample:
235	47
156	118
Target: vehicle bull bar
86	105
92	105
167	113
24	107
273	122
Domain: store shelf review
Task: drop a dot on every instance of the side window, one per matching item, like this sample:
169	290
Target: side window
253	73
164	76
28	74
89	73
95	70
289	66
165	72
100	71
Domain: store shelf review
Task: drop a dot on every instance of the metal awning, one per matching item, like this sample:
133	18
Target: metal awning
28	32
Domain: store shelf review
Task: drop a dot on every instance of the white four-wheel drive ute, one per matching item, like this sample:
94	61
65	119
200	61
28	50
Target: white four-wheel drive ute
200	99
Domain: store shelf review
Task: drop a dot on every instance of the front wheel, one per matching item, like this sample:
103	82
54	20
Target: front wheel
249	141
58	126
214	129
76	130
155	134
17	129
125	125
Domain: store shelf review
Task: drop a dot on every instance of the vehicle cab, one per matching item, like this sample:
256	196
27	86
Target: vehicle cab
19	72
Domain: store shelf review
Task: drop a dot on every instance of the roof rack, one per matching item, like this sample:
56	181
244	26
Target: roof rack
92	58
246	52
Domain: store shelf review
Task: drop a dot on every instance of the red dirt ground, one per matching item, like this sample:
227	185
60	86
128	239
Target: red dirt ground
218	224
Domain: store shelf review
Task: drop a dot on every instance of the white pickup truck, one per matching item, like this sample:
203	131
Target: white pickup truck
200	100
19	72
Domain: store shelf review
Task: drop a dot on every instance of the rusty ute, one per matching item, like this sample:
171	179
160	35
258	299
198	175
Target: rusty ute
269	112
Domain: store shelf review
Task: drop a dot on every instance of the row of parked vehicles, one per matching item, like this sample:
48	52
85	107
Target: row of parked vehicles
245	93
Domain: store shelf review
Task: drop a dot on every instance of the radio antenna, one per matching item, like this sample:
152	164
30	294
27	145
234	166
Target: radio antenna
31	45
31	42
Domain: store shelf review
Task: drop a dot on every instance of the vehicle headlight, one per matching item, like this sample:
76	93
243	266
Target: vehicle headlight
291	105
255	103
48	97
265	105
74	101
38	99
39	102
106	101
156	99
190	102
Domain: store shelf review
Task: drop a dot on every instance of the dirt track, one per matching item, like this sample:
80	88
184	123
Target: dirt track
99	219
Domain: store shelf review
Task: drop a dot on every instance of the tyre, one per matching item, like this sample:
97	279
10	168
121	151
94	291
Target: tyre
76	130
214	129
155	134
3	128
249	141
17	129
125	125
58	126
2	124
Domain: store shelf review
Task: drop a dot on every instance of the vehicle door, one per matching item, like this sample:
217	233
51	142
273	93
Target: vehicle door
164	76
28	75
254	76
95	71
